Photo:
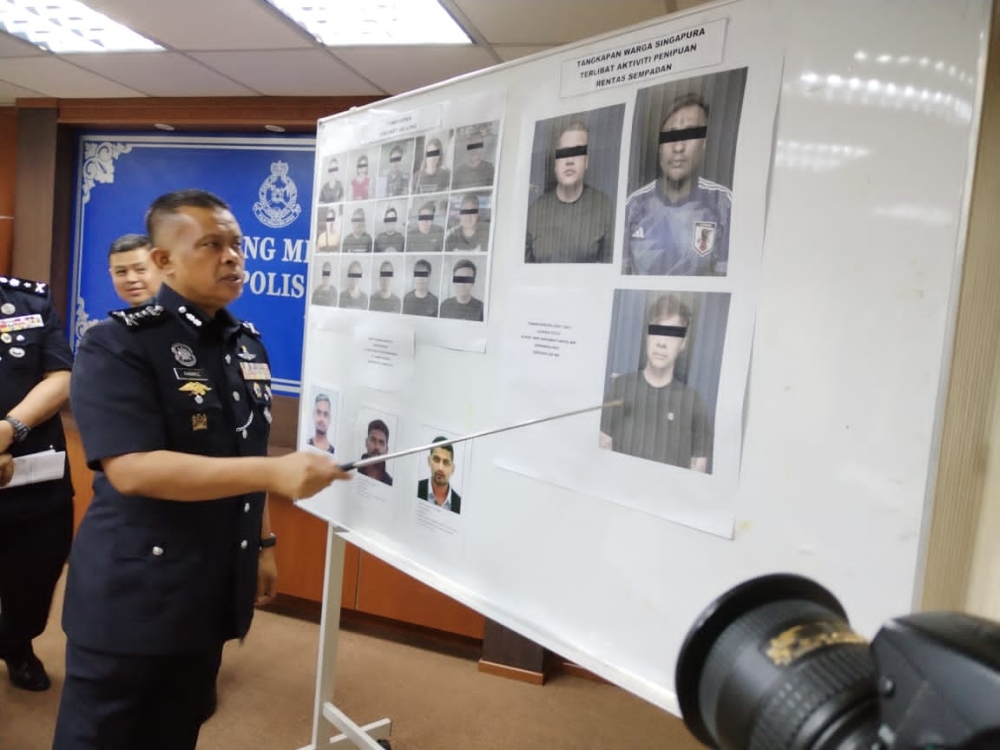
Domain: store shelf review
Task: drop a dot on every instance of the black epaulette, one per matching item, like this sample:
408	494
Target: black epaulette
250	328
140	317
38	288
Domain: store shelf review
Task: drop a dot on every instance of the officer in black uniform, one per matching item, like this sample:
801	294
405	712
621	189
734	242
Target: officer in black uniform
173	401
36	520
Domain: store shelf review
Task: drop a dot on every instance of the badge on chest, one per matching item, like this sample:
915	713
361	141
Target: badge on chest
21	323
255	371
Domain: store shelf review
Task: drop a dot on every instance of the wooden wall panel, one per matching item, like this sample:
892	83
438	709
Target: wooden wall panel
83	478
237	112
301	554
385	591
8	182
34	203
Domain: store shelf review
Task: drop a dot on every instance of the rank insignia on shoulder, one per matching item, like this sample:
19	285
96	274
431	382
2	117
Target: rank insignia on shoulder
39	288
250	328
140	317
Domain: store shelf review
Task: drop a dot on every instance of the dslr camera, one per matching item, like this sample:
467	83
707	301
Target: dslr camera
773	664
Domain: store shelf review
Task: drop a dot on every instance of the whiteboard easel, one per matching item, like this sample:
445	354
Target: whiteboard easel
325	713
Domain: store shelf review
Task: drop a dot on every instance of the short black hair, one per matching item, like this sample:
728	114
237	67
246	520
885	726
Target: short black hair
465	264
321	397
682	102
449	447
170	203
377	425
128	242
422	264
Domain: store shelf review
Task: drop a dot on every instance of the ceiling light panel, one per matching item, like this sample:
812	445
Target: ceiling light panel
364	22
68	26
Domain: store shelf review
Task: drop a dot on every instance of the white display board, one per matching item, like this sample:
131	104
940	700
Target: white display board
816	290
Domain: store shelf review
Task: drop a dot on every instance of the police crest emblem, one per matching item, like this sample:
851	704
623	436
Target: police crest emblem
183	354
278	205
704	237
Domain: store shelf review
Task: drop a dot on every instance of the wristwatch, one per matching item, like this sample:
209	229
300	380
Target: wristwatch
270	541
21	430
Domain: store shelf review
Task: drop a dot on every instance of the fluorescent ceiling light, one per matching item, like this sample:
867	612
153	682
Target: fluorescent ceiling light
361	22
68	26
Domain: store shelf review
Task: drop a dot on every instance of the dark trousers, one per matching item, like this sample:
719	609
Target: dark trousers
33	551
126	701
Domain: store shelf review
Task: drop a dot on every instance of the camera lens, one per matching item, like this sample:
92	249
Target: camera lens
774	665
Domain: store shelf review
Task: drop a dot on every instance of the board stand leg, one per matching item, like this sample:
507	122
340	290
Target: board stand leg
374	736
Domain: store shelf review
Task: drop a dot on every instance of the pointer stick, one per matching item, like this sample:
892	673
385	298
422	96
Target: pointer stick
388	457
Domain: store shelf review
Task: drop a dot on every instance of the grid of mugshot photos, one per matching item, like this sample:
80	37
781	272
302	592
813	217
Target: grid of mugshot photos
403	226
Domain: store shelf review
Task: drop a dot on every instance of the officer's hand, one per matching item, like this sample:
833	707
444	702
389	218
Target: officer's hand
304	473
6	435
267	577
6	468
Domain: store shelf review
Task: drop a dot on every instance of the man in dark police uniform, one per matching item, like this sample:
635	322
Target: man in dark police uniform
36	520
173	401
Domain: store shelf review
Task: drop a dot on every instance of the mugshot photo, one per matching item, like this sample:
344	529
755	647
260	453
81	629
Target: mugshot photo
469	216
680	176
574	184
324	292
426	223
319	418
375	434
386	284
475	155
329	224
356	235
395	168
441	472
359	180
390	226
664	361
422	282
332	188
432	163
462	288
355	281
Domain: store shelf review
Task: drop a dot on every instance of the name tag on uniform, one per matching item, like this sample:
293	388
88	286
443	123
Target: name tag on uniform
255	371
190	373
21	323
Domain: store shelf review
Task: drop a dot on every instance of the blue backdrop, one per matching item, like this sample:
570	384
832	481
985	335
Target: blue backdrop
268	182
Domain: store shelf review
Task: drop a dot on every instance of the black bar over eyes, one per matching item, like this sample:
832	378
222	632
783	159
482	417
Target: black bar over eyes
395	158
468	211
421	274
434	152
684	134
355	275
456	279
425	217
678	331
333	169
474	145
362	164
385	274
390	220
565	153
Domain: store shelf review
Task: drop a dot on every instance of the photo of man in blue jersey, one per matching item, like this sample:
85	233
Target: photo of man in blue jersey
679	224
